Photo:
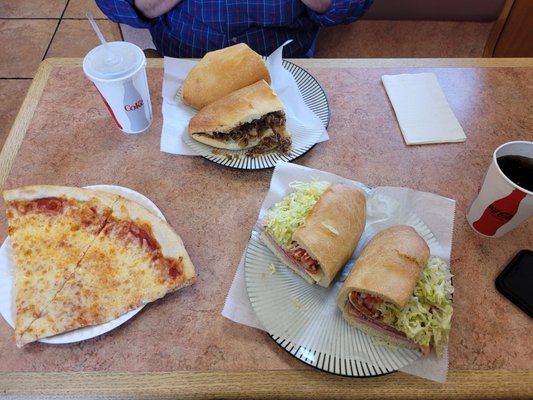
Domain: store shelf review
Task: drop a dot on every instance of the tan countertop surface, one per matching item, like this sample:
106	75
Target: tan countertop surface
180	346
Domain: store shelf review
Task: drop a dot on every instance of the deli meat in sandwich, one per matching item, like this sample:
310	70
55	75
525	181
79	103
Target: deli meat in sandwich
221	72
250	118
315	229
398	293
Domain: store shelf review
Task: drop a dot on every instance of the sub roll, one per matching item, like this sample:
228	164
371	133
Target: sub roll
315	229
398	293
221	72
250	118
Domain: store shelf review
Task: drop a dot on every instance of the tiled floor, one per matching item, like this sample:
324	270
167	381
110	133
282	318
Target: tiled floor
35	29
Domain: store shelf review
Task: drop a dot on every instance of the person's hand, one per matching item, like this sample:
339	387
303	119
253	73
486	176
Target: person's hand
155	8
320	6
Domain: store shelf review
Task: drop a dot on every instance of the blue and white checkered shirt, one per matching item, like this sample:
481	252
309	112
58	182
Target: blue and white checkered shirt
195	27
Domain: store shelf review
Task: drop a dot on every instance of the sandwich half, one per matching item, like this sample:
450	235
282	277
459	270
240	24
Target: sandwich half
249	118
221	72
398	293
315	229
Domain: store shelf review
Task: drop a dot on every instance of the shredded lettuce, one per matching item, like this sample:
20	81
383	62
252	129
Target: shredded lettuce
426	318
282	220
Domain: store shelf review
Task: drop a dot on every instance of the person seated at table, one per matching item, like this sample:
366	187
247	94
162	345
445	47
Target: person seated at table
191	28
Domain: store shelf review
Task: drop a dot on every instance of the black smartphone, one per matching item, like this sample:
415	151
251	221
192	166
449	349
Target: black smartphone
516	281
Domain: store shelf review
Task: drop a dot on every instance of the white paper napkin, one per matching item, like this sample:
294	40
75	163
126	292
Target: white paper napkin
422	110
436	212
176	114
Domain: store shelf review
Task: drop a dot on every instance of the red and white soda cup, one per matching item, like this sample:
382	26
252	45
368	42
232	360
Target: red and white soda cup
118	71
501	204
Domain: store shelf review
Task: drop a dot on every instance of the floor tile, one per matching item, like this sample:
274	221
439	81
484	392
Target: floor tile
80	8
383	39
12	93
75	38
28	41
32	8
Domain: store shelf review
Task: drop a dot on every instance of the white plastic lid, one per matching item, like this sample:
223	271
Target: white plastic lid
116	60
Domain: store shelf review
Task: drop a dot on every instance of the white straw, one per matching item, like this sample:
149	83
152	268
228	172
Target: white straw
96	29
111	57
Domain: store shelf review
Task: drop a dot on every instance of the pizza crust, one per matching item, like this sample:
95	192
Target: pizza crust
41	191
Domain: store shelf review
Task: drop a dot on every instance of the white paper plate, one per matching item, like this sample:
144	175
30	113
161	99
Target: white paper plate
303	138
305	320
7	274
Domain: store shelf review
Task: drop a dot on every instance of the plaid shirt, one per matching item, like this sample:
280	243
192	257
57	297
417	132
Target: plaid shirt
195	27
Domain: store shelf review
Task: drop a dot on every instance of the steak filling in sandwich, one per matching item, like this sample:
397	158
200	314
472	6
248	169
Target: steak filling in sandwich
315	229
250	118
221	72
398	293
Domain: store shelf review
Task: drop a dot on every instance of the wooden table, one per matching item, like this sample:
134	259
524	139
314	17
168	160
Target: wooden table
181	347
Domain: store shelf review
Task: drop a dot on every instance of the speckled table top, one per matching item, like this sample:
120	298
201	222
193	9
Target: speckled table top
71	140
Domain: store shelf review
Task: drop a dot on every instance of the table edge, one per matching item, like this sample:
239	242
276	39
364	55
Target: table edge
23	119
501	384
362	62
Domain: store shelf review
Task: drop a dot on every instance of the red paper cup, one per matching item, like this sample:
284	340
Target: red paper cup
505	199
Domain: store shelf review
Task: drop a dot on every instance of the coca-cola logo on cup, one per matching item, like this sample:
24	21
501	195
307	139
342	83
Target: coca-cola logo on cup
502	215
135	106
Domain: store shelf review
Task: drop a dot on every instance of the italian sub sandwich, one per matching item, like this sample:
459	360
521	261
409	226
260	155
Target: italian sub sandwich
315	229
398	293
252	118
221	72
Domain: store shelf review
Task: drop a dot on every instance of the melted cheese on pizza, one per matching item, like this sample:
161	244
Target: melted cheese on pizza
123	267
49	236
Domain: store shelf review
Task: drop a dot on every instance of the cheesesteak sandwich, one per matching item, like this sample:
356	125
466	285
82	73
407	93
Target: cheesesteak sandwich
315	229
398	293
221	72
249	118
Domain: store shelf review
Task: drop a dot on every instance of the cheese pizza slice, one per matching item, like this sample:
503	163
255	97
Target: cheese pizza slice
137	258
50	229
